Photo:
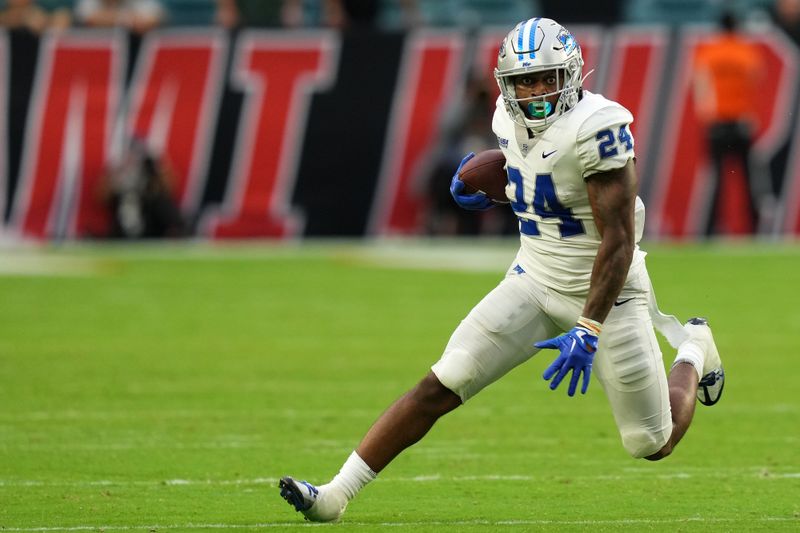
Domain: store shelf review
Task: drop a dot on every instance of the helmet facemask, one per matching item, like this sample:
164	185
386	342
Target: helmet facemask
535	46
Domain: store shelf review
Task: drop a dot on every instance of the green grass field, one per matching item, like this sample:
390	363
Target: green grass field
168	388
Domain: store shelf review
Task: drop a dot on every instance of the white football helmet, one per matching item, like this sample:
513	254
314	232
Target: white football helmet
535	45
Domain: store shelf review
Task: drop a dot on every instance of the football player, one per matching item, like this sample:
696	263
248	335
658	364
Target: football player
572	184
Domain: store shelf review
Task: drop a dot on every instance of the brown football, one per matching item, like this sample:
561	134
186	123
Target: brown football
486	172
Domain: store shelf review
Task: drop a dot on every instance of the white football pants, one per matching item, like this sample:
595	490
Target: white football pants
499	332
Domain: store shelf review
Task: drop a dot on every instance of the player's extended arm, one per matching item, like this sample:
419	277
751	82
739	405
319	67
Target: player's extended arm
612	196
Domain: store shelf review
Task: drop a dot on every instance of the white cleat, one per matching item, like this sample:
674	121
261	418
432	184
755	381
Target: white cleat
709	390
316	503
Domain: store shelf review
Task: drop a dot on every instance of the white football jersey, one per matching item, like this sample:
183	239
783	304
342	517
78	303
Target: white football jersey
547	188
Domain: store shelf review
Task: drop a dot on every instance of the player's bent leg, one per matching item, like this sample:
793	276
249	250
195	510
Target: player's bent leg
406	421
682	388
641	444
496	336
629	366
697	374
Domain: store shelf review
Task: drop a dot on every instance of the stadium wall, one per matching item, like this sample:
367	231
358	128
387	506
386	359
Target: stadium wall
284	134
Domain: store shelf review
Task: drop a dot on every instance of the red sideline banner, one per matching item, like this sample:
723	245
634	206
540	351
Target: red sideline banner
274	134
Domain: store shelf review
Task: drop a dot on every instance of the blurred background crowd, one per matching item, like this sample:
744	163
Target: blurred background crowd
137	189
143	15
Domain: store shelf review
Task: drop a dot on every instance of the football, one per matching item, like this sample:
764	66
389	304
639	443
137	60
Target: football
486	172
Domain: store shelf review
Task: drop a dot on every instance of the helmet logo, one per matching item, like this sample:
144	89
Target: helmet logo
566	39
526	39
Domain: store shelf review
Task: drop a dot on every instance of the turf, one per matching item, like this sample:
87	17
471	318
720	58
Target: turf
167	388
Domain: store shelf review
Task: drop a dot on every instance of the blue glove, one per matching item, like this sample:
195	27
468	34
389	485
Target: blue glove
477	201
578	347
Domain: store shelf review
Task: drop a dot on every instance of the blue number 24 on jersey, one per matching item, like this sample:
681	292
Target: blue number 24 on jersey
545	204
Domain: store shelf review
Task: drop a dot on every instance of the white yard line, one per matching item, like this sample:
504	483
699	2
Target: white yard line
500	523
81	259
461	258
38	264
428	478
74	414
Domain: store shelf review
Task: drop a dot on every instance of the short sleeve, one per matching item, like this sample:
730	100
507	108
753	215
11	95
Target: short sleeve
605	141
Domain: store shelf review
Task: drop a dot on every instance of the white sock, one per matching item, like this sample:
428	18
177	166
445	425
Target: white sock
690	352
353	476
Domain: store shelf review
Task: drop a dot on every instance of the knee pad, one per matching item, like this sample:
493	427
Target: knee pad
456	371
641	442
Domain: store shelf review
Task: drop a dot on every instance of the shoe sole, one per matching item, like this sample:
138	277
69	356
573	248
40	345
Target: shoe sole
291	493
703	387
